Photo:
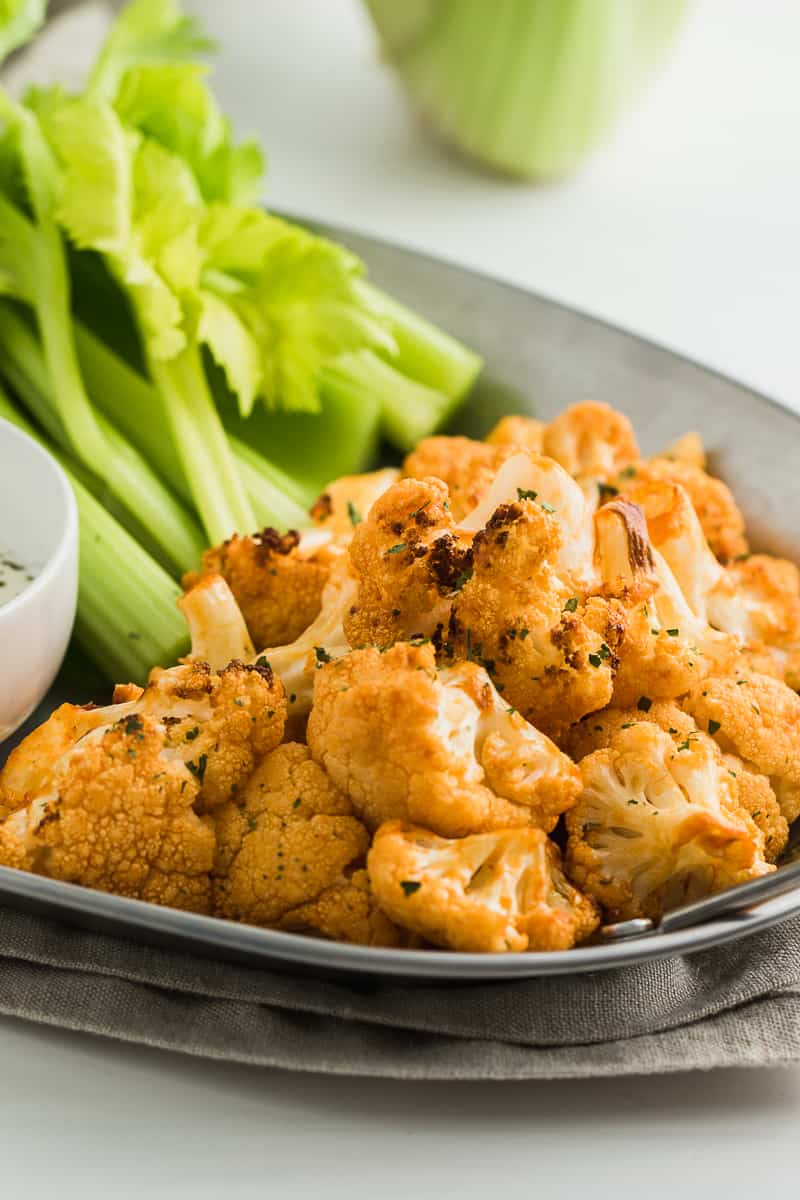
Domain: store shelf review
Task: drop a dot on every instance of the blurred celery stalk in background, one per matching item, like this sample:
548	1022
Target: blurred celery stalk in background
526	87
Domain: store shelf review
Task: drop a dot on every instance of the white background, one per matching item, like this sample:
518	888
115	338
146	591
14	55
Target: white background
684	229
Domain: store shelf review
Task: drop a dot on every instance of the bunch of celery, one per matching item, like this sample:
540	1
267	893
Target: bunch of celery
201	366
526	87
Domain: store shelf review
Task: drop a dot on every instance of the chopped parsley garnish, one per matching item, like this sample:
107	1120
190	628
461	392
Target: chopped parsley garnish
321	655
133	724
673	633
627	473
463	578
713	727
526	494
606	490
191	734
198	769
353	514
523	633
410	886
298	802
595	660
644	704
263	661
571	605
397	549
604	651
547	507
413	516
628	725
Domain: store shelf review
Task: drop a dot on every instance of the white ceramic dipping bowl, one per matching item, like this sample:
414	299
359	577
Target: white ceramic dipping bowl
38	526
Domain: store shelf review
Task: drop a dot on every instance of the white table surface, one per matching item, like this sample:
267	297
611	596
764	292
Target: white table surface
685	229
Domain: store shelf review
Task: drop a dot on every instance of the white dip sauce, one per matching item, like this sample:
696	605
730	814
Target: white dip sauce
14	576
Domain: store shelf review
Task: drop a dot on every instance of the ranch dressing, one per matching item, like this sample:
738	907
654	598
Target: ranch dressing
14	576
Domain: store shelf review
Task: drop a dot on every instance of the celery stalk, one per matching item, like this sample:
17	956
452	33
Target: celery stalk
127	616
174	536
127	398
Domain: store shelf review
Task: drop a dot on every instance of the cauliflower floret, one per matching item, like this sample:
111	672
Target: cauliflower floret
467	467
753	792
405	741
347	911
323	641
408	561
552	653
756	717
218	723
596	731
717	511
757	797
346	502
689	449
526	433
758	599
217	628
591	441
488	893
658	825
285	841
667	646
115	812
277	586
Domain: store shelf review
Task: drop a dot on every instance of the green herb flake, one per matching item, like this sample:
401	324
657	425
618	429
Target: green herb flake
607	490
198	769
410	886
526	494
548	508
713	727
571	605
628	473
595	660
191	734
322	656
673	633
397	549
644	704
353	514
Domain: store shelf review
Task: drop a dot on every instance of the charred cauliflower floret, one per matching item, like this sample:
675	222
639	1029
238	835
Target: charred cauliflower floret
492	892
658	825
591	441
284	842
667	646
717	511
551	652
346	502
405	741
467	467
757	797
408	560
278	587
219	723
524	432
756	717
115	812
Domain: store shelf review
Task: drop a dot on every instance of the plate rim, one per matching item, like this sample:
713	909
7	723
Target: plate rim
195	933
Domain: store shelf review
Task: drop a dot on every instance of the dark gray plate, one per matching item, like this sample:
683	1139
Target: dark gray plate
540	357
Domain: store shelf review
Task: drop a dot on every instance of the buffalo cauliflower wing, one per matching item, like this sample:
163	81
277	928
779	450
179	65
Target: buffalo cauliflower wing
406	741
591	441
491	892
756	717
284	844
408	560
277	586
717	511
658	824
551	652
526	433
115	812
467	467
